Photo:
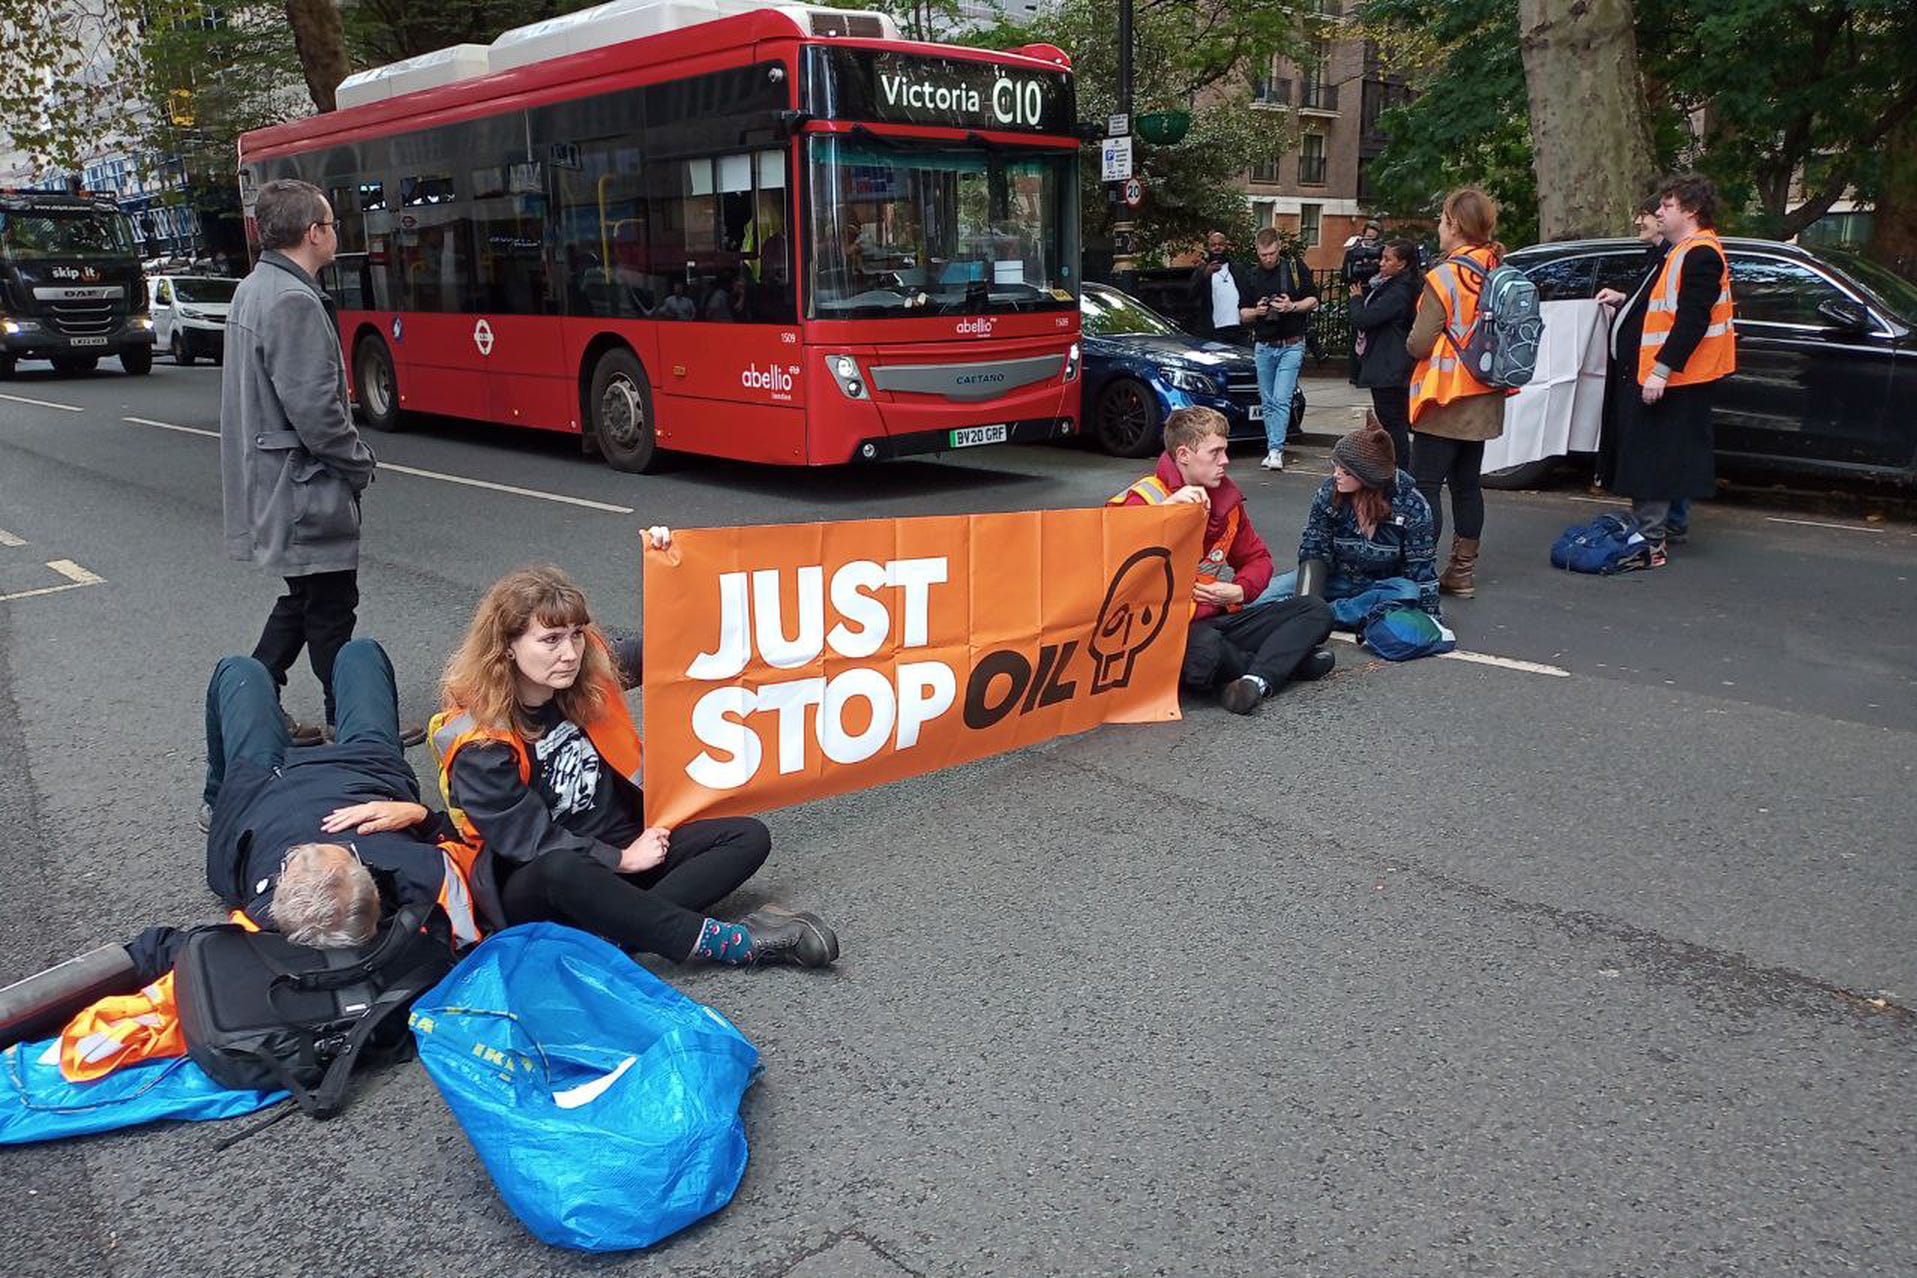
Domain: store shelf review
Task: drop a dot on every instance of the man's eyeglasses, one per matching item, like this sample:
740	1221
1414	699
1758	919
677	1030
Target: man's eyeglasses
325	225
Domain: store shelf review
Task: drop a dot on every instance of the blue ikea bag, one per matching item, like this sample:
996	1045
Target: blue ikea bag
1405	634
38	1103
604	1103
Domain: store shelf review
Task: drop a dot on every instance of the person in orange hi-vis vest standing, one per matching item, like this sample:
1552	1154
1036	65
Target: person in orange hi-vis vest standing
541	768
1665	452
1247	650
1452	412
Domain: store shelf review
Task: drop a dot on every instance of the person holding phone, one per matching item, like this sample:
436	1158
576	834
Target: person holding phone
1213	293
1276	298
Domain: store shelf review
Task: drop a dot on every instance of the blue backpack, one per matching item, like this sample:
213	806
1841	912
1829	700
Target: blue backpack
1608	544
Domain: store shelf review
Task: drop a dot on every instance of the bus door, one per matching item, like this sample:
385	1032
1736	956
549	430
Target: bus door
513	326
730	380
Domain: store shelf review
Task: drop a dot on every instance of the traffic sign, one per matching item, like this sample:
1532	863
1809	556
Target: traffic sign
1118	126
1134	192
1116	165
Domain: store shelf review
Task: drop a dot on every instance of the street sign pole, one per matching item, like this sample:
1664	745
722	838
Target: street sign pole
1124	263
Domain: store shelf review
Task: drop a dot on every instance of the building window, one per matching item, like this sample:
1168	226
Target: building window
1311	160
1264	213
1271	89
1310	224
1315	91
1265	167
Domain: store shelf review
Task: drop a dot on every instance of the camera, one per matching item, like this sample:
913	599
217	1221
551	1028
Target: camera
1362	261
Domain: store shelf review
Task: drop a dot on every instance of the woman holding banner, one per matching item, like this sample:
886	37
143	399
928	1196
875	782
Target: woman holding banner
540	765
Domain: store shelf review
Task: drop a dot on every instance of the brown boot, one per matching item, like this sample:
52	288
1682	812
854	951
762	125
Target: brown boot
1456	577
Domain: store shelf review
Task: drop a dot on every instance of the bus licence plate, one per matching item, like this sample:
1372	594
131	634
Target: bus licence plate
971	436
86	341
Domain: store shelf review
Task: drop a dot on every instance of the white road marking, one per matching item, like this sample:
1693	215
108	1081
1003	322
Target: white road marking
184	430
74	572
1603	501
1483	659
44	403
1818	523
8	539
562	498
76	578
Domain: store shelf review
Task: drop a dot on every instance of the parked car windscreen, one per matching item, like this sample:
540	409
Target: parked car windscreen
1109	313
1890	291
204	292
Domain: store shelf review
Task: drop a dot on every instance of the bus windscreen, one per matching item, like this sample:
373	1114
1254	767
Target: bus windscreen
915	231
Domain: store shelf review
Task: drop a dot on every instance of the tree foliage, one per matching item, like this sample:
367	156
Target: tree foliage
1785	103
1186	56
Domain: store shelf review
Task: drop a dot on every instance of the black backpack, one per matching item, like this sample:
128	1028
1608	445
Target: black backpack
261	1013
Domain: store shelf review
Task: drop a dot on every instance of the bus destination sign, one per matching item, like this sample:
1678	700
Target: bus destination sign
896	88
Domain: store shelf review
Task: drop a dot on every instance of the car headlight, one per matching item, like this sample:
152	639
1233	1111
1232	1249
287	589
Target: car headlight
1193	382
1071	363
845	371
187	312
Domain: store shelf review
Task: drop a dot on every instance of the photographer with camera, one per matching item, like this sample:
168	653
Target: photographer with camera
1362	253
1212	294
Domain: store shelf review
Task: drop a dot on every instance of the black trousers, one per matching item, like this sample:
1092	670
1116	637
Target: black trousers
660	911
1392	404
1268	641
317	613
1435	462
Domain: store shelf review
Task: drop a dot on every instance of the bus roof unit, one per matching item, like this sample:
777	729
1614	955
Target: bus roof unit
594	28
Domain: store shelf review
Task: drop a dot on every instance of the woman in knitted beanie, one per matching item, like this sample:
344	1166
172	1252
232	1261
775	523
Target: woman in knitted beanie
1371	529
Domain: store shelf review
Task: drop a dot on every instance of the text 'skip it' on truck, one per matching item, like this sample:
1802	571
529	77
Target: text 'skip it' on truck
71	290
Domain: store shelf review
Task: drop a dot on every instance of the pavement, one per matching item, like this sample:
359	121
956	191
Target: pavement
1588	952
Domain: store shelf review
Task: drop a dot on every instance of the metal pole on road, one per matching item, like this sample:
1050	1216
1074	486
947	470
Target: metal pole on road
1124	264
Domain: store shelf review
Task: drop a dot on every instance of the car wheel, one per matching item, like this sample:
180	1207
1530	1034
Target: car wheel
182	353
1126	423
75	363
1531	474
619	408
137	360
376	384
6	367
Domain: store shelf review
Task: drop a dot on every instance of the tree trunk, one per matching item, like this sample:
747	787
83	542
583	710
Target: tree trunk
322	47
1591	148
1893	222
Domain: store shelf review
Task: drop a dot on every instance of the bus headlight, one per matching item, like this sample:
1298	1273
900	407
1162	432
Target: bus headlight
1071	364
845	371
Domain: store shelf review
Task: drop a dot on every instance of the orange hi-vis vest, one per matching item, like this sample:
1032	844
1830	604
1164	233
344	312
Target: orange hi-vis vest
1441	376
612	734
1716	355
1155	493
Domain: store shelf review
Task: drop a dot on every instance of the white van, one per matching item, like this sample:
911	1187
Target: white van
189	314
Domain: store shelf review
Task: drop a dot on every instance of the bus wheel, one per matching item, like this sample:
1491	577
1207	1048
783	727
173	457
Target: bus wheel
376	384
1126	424
75	363
137	360
620	407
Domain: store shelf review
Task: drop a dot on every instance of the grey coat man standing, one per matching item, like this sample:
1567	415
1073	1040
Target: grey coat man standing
292	464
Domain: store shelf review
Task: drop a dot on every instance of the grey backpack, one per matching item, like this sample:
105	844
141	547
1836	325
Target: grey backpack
1500	348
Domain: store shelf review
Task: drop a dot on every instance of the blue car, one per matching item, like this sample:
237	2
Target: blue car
1139	366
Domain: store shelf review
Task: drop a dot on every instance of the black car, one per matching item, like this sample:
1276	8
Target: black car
1139	366
1826	351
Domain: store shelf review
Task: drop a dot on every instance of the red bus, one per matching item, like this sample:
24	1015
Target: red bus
775	234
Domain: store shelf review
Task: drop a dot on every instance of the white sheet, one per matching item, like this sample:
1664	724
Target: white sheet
1562	410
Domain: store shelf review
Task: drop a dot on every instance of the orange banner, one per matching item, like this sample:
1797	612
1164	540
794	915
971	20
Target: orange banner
788	663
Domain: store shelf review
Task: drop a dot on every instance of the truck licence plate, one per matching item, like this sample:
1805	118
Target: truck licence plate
86	341
972	436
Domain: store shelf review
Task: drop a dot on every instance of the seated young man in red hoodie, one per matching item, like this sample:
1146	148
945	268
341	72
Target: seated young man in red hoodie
1247	653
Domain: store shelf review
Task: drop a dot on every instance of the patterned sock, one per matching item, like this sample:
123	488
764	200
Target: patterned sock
723	942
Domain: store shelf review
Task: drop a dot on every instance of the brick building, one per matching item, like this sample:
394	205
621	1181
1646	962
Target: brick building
1324	111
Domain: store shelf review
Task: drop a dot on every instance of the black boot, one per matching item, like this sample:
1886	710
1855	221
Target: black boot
1317	664
786	936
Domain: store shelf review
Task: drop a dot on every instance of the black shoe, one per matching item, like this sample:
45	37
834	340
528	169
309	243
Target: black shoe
206	818
1241	695
303	734
1677	534
411	734
786	936
1319	663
